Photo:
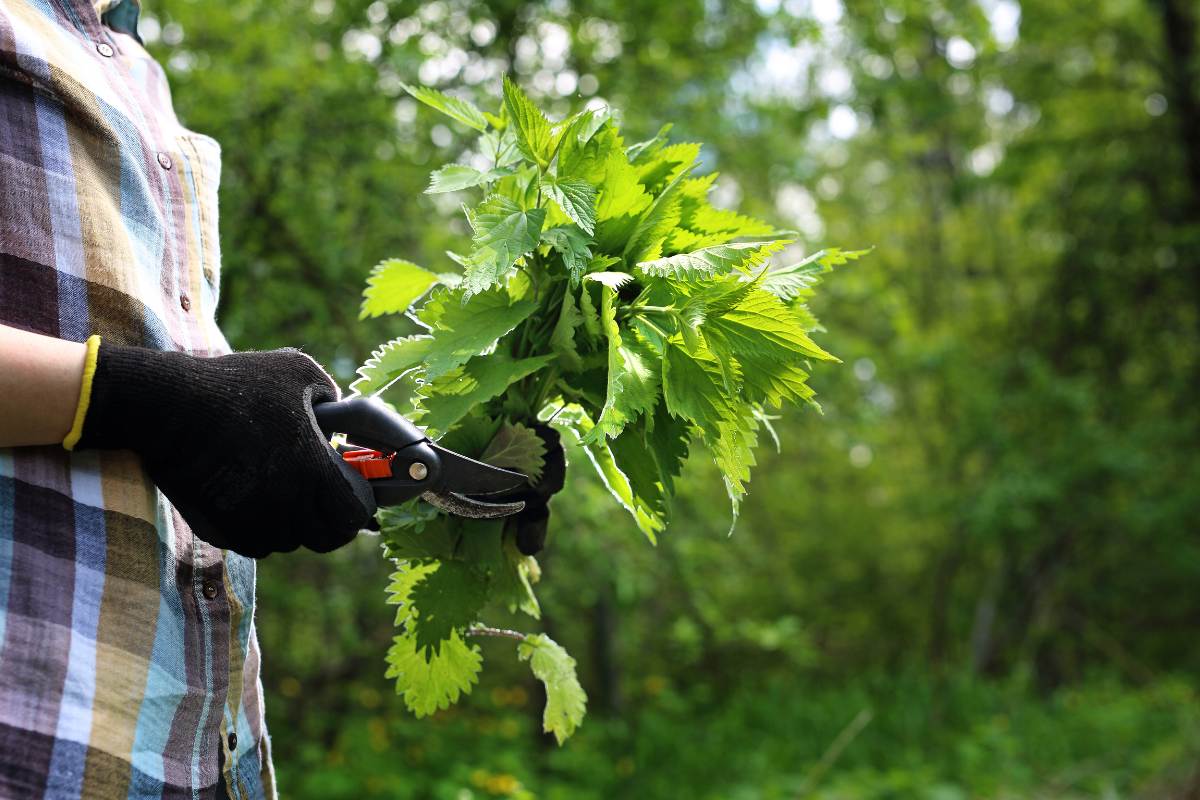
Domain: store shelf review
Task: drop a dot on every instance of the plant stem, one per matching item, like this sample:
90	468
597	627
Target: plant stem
544	391
538	197
657	329
625	312
483	630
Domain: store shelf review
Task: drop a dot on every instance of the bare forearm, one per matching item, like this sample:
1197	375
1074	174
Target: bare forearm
40	378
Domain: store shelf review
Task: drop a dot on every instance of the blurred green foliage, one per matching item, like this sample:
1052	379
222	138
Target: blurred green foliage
993	590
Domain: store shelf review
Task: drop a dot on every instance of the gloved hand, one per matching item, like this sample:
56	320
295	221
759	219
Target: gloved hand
532	521
233	443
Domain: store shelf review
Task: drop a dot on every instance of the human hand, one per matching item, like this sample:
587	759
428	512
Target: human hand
233	443
532	521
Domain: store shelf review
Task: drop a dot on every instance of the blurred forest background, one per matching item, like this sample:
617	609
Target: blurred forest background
975	576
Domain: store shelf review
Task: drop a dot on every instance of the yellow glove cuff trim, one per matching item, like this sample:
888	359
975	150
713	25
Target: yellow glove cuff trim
85	392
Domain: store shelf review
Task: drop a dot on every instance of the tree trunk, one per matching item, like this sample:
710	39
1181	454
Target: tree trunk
604	655
1179	34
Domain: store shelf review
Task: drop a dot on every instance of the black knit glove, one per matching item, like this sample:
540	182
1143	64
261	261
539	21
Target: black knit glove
232	442
532	521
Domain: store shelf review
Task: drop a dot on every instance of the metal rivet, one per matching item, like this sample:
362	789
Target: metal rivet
105	49
417	471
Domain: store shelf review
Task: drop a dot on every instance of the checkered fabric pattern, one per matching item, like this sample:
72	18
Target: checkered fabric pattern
129	665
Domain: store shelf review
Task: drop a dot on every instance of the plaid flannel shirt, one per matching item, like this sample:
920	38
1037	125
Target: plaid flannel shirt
129	665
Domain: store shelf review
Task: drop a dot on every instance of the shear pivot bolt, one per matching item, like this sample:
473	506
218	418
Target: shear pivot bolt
417	471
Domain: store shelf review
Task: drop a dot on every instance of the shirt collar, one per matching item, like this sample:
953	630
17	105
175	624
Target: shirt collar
120	15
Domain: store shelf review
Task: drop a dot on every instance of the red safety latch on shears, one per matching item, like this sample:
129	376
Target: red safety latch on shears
369	463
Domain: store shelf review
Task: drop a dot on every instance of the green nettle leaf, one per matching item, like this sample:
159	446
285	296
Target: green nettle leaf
656	223
668	164
653	231
632	381
668	439
517	447
681	240
479	545
448	600
456	177
722	295
761	323
613	280
449	398
566	702
620	193
643	151
573	137
390	362
711	262
632	456
601	291
471	434
461	110
410	517
400	586
512	583
788	283
733	453
393	286
415	534
562	340
694	389
587	310
707	219
534	136
599	452
587	158
431	683
763	378
500	147
461	330
577	199
503	233
574	247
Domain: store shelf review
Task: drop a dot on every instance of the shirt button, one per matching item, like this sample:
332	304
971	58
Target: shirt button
210	590
105	49
185	302
233	741
164	160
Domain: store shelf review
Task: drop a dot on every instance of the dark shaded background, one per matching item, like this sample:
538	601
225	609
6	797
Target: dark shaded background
975	576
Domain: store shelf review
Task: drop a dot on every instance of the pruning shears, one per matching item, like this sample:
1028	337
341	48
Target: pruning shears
400	462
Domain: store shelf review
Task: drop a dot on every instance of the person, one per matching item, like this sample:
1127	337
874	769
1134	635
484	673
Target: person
143	465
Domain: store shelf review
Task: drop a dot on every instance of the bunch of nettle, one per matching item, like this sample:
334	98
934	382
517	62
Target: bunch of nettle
600	291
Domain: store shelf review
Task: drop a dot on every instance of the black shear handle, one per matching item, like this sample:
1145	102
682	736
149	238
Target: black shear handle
416	469
368	423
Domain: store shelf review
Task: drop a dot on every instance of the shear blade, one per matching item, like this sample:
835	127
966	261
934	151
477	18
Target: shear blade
462	506
462	475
